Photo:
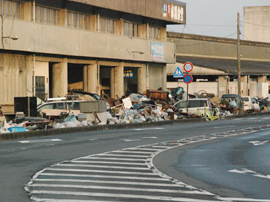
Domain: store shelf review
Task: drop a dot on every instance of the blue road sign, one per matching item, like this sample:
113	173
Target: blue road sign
188	78
178	73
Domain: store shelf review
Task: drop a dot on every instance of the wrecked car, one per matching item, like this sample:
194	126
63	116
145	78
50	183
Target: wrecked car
195	106
232	103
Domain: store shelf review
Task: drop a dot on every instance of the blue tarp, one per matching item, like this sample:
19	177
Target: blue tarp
17	129
70	118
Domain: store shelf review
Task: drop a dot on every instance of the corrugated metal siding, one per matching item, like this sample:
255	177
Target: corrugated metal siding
147	8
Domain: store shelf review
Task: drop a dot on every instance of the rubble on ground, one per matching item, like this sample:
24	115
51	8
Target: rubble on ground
156	105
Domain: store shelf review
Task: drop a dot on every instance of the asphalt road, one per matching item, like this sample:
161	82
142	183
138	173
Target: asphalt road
113	165
234	166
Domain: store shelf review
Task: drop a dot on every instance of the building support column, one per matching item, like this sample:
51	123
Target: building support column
118	84
112	87
90	78
142	79
60	79
164	82
29	76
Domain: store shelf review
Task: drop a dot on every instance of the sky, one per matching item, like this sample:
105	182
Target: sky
215	17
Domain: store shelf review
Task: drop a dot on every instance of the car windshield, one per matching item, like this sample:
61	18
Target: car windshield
192	103
197	103
47	106
245	99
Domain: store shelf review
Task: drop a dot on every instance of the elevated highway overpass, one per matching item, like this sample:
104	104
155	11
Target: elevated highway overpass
215	62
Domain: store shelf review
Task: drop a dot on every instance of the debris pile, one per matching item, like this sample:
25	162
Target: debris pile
155	105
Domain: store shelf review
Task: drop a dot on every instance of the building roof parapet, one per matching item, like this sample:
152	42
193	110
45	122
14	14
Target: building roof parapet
215	39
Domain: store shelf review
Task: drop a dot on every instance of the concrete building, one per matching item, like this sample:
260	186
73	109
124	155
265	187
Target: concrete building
257	23
108	45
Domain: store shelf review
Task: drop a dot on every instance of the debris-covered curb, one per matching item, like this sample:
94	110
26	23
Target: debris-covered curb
62	131
246	115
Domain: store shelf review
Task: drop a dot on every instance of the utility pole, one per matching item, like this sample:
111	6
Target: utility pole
238	54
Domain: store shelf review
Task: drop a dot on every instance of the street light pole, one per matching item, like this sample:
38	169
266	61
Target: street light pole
238	54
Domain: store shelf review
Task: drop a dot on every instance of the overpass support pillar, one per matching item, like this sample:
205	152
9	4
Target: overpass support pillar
223	85
244	85
262	79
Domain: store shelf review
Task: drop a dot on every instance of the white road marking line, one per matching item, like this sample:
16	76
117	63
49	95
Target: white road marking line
262	176
245	199
39	141
116	188
251	172
106	176
109	162
162	198
132	152
236	171
224	126
131	140
163	147
149	129
257	143
64	200
121	155
110	182
102	166
116	159
143	149
100	171
149	137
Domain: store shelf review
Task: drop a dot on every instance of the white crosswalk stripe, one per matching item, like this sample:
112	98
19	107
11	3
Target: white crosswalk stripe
102	166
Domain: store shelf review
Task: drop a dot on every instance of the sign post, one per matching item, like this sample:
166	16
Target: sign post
188	67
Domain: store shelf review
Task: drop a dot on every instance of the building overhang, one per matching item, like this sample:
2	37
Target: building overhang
169	11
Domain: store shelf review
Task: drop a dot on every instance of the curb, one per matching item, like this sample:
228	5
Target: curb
62	131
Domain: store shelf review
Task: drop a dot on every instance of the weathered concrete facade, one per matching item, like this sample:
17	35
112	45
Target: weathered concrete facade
108	46
256	23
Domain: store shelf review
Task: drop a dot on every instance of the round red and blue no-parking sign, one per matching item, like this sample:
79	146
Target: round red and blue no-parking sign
188	78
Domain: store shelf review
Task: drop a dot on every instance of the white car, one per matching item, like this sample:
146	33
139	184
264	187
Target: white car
55	108
247	102
195	105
